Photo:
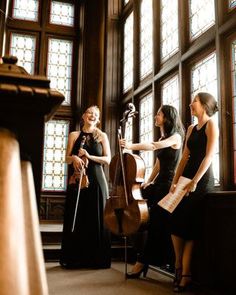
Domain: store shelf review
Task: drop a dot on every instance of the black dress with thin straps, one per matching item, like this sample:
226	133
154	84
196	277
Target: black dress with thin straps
89	245
157	248
186	220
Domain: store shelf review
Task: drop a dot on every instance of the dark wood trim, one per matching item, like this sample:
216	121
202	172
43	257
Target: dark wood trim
2	24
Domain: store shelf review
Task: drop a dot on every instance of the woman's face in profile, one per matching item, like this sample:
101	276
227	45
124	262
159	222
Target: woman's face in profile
159	118
91	116
196	106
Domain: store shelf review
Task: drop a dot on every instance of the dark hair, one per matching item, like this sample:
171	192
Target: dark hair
209	102
172	123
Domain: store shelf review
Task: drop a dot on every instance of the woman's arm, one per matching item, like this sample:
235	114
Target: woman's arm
105	158
212	134
174	141
183	161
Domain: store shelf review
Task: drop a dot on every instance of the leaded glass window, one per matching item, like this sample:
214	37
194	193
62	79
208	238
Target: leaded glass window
62	13
234	102
146	130
204	78
26	10
169	28
60	66
146	44
128	53
54	166
23	47
170	92
202	16
129	130
232	3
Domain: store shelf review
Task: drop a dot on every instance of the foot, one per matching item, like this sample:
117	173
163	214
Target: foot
184	285
137	267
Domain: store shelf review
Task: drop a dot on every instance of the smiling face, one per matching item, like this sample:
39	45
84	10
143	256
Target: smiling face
91	116
196	107
159	118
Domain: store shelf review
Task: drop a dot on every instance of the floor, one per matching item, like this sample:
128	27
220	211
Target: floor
108	282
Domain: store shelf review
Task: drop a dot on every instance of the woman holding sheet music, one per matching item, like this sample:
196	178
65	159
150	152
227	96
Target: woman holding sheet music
157	246
195	164
85	241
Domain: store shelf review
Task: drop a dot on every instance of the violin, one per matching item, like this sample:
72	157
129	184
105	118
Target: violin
80	177
126	211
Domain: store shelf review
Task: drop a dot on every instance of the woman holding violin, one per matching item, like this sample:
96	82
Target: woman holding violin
85	241
157	248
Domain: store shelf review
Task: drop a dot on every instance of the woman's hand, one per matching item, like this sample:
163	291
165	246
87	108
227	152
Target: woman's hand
78	163
124	143
190	187
172	188
83	152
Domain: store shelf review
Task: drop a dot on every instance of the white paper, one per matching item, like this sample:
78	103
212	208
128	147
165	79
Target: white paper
171	200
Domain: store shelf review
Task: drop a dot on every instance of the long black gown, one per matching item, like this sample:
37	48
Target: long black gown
89	245
187	218
157	248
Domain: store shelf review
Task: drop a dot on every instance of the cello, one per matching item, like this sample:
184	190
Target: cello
126	211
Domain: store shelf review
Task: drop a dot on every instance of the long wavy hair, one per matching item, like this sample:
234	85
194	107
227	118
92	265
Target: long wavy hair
172	121
97	133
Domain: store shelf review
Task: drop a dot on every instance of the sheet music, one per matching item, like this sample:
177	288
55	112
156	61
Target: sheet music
171	200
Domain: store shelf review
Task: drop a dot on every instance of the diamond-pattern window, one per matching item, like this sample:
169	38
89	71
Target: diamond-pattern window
202	16
169	28
204	78
62	13
146	44
128	53
170	92
146	130
233	69
59	69
23	47
54	166
26	10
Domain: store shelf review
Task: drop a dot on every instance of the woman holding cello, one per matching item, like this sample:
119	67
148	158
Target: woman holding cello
157	245
85	241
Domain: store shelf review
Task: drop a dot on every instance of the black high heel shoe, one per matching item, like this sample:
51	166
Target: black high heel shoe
136	275
184	288
178	275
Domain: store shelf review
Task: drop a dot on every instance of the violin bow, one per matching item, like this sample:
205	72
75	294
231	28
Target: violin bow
79	186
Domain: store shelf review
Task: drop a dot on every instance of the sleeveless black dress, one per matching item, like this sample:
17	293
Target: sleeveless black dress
89	245
186	220
158	246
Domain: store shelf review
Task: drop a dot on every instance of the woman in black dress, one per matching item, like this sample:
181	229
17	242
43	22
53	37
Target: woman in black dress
157	247
195	164
88	245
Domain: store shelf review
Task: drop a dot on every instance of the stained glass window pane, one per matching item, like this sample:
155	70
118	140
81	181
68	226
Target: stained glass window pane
60	66
234	101
23	47
232	3
54	166
169	28
62	13
146	130
128	53
26	9
170	92
204	78
202	16
146	43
